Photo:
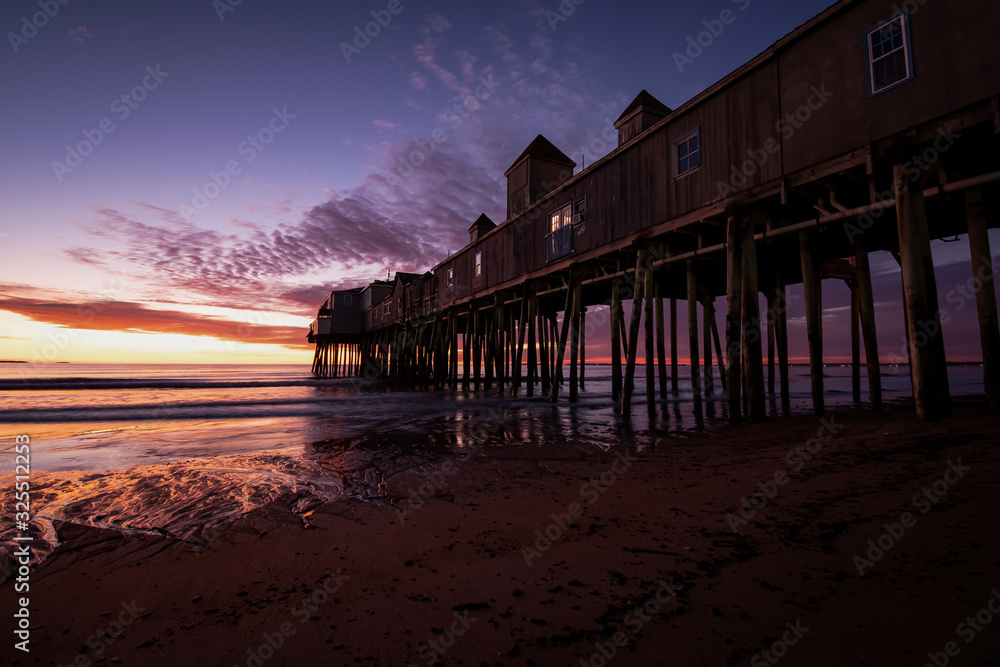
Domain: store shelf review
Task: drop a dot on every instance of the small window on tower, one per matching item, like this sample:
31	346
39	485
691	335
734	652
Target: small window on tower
451	277
479	264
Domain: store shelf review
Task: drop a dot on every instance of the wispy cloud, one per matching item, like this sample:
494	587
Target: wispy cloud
406	216
138	318
80	33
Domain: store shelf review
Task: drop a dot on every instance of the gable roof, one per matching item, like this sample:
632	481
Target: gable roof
543	149
645	102
483	224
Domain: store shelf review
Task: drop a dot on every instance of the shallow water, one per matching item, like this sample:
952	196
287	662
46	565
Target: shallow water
179	450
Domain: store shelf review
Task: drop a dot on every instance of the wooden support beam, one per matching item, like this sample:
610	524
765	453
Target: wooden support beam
781	334
522	325
563	336
986	300
498	354
616	347
477	345
633	331
532	343
545	342
673	344
928	369
734	320
706	311
692	298
753	358
648	320
866	311
771	316
855	345
720	360
814	320
574	368
661	340
467	351
583	347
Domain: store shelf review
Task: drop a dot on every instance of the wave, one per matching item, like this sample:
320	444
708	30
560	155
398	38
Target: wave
82	383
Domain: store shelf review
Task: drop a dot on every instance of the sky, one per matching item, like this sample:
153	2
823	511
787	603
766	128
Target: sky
185	182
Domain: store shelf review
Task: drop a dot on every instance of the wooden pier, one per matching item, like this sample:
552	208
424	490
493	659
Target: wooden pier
791	170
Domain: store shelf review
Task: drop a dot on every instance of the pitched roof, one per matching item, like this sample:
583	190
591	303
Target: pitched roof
543	149
646	102
483	223
406	278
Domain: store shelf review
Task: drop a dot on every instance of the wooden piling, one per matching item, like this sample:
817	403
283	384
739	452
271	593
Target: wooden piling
814	320
545	341
734	320
692	298
855	345
532	349
661	342
706	311
649	292
616	348
574	385
770	342
753	358
982	274
928	370
673	344
781	334
633	332
866	312
563	336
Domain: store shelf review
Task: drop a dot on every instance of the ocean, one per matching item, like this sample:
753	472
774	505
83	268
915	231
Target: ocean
180	450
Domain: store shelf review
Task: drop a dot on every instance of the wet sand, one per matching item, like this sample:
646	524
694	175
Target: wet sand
633	555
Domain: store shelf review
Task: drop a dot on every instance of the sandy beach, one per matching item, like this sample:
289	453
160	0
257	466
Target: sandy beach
872	542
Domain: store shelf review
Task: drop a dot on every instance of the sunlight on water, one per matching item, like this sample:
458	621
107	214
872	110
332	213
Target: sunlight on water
179	451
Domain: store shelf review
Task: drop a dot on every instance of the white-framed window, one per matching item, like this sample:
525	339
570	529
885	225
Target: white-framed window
451	277
388	306
479	263
687	152
348	299
561	217
890	61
